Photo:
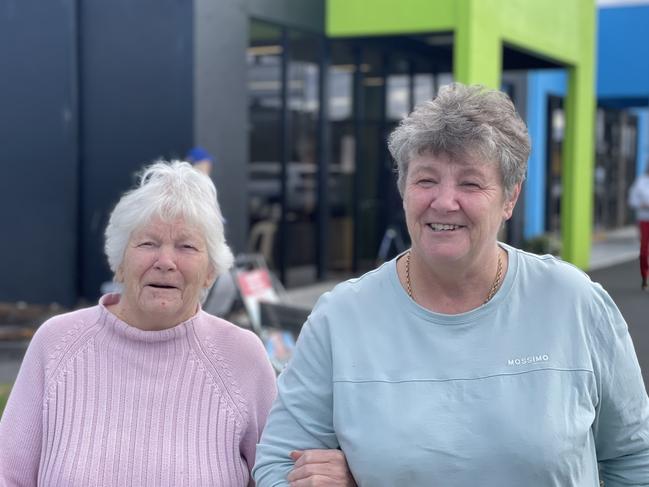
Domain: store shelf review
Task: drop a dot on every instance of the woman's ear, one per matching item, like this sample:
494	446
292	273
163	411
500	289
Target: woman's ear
210	278
511	202
119	275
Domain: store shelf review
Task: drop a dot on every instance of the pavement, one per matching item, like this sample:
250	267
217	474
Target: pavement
613	263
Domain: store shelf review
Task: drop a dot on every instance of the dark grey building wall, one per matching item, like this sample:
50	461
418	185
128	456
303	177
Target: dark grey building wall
38	151
302	14
221	91
88	96
136	106
220	105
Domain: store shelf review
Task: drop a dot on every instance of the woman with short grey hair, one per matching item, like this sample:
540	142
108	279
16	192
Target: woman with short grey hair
145	388
463	361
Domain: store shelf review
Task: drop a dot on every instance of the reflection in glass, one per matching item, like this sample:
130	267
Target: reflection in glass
398	93
302	166
424	87
264	59
342	164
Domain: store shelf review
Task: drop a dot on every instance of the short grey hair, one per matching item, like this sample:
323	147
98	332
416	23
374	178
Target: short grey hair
169	190
464	120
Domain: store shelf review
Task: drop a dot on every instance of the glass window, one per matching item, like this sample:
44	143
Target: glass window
444	79
342	149
282	213
264	59
302	167
398	94
424	87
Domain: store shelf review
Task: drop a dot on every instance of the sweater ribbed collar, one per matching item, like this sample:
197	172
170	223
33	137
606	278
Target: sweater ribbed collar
135	334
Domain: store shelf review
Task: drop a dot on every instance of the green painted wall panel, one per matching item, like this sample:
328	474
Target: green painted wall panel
477	49
384	17
549	27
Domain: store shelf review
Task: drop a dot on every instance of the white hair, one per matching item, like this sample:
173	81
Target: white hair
169	190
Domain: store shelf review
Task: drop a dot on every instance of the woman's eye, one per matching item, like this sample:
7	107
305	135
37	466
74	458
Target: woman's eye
471	184
188	247
145	244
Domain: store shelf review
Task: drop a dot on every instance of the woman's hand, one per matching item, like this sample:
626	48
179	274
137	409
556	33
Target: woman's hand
320	468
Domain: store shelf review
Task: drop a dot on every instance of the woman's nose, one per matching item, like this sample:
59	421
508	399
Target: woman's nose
166	260
444	198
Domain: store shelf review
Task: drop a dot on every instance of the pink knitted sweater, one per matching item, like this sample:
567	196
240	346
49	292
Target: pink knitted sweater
99	402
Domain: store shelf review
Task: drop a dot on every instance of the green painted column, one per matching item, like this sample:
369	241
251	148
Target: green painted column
579	147
477	50
578	157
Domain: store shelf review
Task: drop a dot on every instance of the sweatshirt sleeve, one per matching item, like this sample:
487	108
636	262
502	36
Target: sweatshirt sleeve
21	424
621	426
302	415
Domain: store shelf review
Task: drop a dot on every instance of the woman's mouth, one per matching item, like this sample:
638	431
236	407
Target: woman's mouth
444	227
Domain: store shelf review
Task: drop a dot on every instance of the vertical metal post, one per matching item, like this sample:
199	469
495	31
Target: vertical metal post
323	159
358	152
385	209
78	142
411	85
285	151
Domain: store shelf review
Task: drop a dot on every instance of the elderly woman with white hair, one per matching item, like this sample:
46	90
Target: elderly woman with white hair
463	361
145	388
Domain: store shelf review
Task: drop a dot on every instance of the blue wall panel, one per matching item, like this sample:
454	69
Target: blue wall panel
541	84
623	52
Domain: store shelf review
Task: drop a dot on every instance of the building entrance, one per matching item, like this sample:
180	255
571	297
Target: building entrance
322	185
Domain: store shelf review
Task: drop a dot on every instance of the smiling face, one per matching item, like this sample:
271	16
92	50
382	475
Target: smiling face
454	208
164	270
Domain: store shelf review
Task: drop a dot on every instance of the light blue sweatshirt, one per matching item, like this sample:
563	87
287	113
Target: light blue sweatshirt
531	389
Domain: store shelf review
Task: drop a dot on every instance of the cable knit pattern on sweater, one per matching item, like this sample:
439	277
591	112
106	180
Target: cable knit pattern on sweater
99	402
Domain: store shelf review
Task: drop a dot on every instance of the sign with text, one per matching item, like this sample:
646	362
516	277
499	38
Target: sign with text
255	286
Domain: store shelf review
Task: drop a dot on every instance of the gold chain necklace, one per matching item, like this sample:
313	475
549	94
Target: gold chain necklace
492	290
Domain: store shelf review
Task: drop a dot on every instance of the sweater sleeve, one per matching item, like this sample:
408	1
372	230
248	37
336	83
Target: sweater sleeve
258	386
621	426
21	424
302	415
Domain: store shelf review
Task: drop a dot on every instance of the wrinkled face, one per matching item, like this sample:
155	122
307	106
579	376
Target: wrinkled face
164	270
453	208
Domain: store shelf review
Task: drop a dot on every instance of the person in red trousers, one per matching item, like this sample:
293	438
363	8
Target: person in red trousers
639	201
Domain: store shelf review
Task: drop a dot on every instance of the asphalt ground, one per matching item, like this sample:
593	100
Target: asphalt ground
622	281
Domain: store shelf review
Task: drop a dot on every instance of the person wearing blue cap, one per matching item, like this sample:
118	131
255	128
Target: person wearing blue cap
201	160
